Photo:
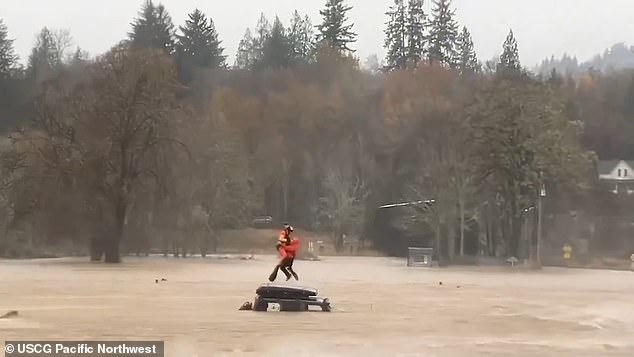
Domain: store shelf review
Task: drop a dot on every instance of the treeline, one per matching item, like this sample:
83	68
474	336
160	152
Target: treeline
159	143
617	58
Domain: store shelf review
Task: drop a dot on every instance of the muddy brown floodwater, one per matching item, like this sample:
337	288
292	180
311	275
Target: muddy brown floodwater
380	308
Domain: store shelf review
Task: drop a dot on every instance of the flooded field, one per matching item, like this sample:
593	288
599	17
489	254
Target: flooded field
380	308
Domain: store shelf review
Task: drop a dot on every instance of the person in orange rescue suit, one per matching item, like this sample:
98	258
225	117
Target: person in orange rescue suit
287	249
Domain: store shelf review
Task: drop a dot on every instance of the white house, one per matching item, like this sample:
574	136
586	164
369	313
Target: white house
619	174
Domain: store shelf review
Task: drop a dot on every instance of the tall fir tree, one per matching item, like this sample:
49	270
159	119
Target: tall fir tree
262	32
199	42
415	28
301	37
251	47
335	31
198	46
467	62
554	78
47	55
8	58
395	37
509	64
276	49
153	28
245	57
443	33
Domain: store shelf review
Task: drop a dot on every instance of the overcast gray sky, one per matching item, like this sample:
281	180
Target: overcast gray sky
543	27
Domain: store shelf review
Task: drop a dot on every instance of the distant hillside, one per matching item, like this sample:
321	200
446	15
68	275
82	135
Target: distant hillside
619	56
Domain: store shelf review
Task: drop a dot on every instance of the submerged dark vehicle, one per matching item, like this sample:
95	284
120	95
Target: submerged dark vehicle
289	298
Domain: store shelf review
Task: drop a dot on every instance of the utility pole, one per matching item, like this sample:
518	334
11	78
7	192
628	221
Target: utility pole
528	233
542	193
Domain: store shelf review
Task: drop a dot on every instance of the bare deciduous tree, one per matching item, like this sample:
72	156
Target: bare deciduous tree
111	129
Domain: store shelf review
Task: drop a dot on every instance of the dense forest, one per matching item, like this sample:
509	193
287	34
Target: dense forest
161	141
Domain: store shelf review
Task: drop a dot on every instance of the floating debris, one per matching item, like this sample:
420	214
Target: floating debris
10	314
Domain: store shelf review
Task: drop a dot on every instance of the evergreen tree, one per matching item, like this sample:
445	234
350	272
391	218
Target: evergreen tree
153	28
415	27
262	32
44	52
8	58
165	30
246	57
335	31
301	37
509	64
251	47
276	50
467	61
395	33
47	54
78	59
372	64
199	42
555	79
443	34
198	46
79	55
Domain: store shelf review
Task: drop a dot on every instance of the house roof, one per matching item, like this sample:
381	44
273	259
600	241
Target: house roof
605	167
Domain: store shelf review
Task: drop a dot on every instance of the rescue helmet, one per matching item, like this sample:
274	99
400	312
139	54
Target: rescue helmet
288	228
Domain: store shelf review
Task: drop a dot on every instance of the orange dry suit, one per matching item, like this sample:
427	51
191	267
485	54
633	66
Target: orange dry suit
287	249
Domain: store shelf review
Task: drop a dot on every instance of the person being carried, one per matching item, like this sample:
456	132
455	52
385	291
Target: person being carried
287	248
291	252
